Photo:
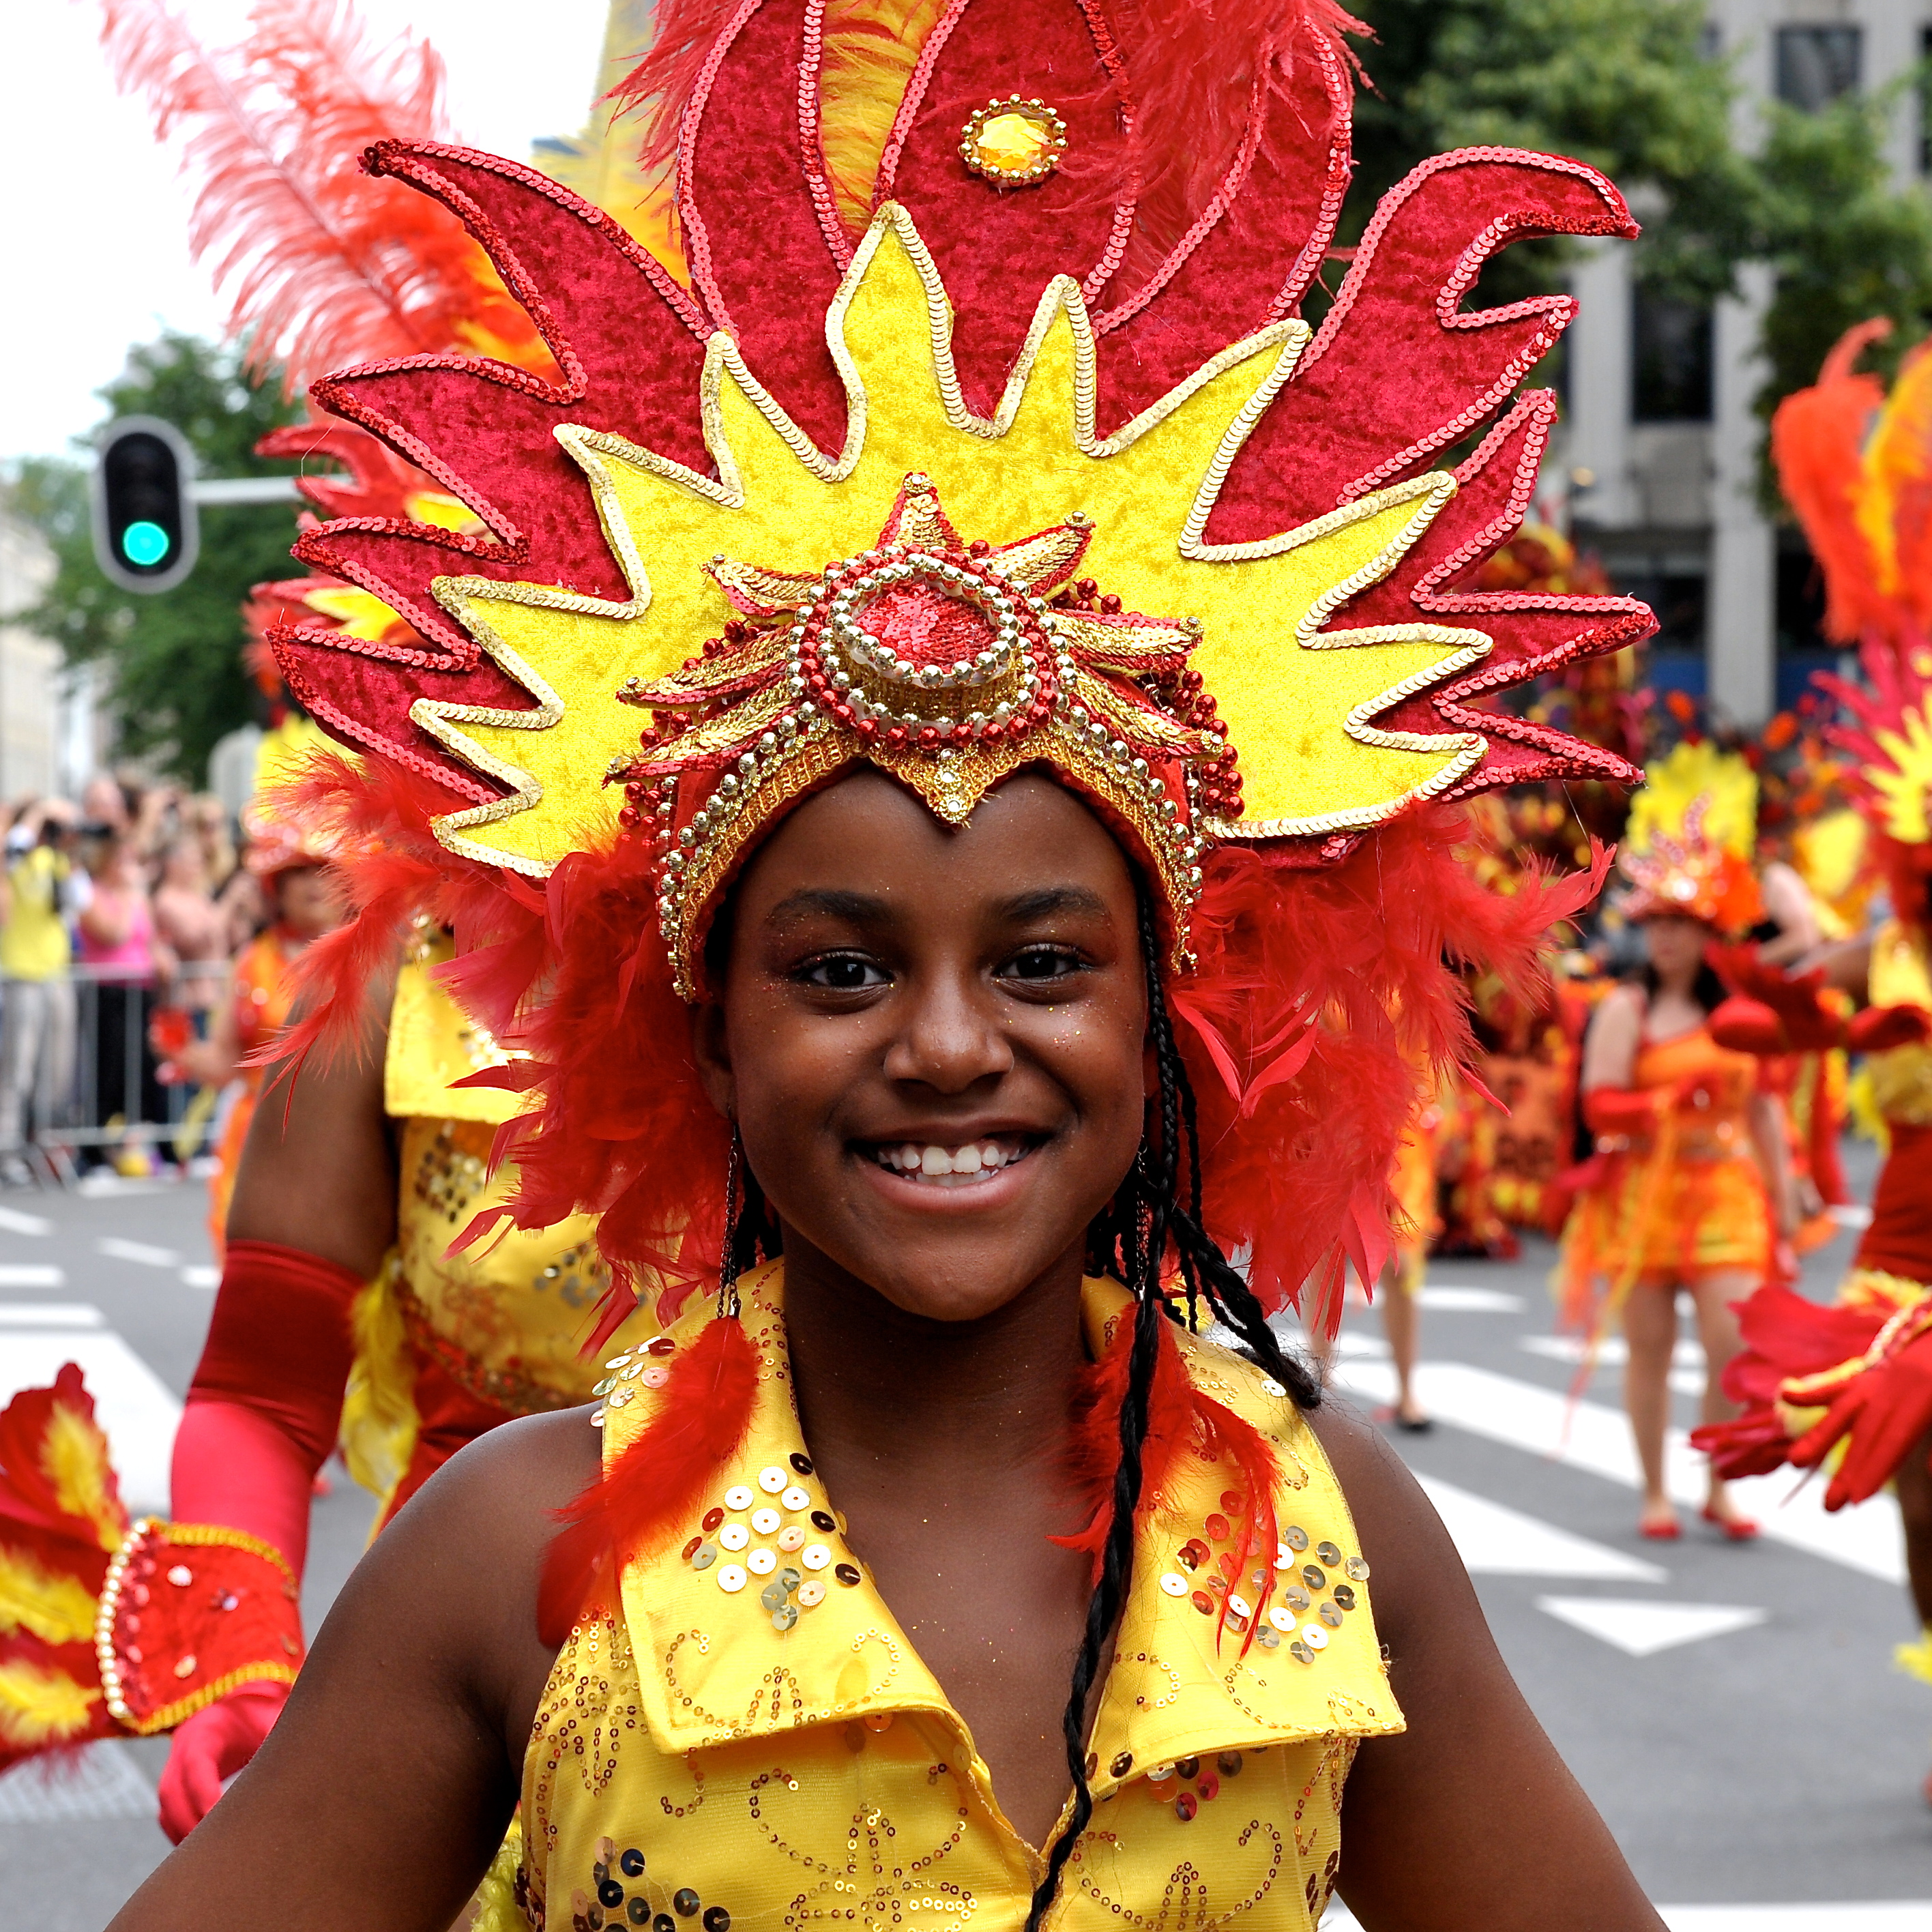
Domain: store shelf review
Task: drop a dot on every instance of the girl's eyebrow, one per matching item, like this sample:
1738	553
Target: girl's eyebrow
1047	900
826	902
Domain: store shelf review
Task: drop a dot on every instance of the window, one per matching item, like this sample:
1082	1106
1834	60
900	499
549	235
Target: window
1670	349
1817	64
1925	100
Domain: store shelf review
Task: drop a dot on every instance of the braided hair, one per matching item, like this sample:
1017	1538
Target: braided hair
1129	1240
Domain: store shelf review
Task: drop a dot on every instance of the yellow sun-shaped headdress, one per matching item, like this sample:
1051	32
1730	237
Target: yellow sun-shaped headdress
954	497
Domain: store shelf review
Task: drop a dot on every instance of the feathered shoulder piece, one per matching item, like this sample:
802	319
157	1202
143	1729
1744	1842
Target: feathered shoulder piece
1855	462
1016	452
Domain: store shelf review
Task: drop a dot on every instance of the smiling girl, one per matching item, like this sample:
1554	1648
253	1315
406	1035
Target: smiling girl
1024	898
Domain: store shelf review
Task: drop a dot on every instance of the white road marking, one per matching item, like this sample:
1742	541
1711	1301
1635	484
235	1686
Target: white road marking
15	1222
31	1274
143	1252
200	1275
101	1782
1493	1540
50	1315
1587	1435
1612	1351
1686	1377
131	1403
1852	1214
1447	1297
1642	1629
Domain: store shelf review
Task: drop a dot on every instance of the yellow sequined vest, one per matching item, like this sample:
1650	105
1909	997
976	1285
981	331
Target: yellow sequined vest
507	1320
758	1745
1901	1077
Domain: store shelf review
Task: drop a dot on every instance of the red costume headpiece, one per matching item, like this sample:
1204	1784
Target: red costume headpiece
1031	463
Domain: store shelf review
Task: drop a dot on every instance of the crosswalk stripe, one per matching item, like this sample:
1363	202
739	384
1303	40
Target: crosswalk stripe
1494	1539
50	1315
131	1403
101	1782
1642	1629
31	1274
15	1222
144	1253
1586	1435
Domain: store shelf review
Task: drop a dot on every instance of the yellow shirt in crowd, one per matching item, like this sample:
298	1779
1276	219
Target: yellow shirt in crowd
33	943
757	1745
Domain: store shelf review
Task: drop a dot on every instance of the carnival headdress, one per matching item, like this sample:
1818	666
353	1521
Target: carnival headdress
1019	468
1693	830
1856	463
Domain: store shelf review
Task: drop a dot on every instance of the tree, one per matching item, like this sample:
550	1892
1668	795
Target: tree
1847	241
174	661
1633	87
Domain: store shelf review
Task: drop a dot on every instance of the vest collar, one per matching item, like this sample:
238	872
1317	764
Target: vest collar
759	1619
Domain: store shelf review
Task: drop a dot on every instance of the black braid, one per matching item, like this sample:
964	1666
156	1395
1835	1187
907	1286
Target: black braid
1129	1240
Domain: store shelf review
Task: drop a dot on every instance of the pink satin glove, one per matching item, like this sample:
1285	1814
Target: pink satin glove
211	1747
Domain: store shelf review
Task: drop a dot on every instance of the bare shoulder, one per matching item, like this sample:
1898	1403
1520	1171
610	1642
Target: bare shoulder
1411	1558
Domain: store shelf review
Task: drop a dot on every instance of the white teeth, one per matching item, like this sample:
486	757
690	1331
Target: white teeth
976	1161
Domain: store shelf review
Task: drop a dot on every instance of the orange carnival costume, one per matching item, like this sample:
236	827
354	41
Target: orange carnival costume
1673	1191
977	432
1849	1388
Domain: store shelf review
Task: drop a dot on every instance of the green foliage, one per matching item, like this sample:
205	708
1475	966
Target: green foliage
1628	86
173	661
1845	241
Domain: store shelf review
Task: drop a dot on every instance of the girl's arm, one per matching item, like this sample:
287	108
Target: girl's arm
1469	1822
1772	1146
380	1798
1610	1045
108	918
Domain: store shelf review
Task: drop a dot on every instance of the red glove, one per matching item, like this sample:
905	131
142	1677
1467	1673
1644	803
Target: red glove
1808	1024
1613	1110
1884	1411
1877	1028
262	1417
212	1745
1746	1025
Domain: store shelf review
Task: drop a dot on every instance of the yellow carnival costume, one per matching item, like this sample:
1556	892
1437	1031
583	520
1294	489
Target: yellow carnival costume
758	1744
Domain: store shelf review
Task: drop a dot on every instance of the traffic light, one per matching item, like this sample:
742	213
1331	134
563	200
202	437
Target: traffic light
146	533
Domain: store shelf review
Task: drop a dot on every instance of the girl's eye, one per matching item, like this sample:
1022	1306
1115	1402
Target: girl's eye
842	973
1041	962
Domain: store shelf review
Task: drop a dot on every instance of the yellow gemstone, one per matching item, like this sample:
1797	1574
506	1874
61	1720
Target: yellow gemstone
1010	143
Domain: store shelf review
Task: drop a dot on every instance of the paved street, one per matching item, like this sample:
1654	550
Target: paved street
1732	1709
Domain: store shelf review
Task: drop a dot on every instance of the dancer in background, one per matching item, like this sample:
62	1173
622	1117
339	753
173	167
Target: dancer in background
1689	1191
1849	1387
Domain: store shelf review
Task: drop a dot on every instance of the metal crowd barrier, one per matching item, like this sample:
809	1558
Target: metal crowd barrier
115	1062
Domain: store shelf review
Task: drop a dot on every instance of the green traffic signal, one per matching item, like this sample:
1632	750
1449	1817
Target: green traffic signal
145	544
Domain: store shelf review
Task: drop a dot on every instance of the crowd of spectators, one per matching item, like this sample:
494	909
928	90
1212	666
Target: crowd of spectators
130	902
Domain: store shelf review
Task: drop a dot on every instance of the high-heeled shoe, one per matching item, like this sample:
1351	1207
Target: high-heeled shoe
1736	1528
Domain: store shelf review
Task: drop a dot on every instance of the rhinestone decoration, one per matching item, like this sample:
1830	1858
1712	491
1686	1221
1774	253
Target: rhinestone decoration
1013	143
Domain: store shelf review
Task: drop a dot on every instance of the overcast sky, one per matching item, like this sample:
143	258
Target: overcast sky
94	221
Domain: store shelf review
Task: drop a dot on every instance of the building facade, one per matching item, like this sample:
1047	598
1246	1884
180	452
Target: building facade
1659	464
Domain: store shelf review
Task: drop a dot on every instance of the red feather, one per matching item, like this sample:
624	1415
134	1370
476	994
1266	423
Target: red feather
1181	1421
653	1489
328	266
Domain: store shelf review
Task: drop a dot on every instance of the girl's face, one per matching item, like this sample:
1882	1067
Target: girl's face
305	897
1676	944
933	1041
